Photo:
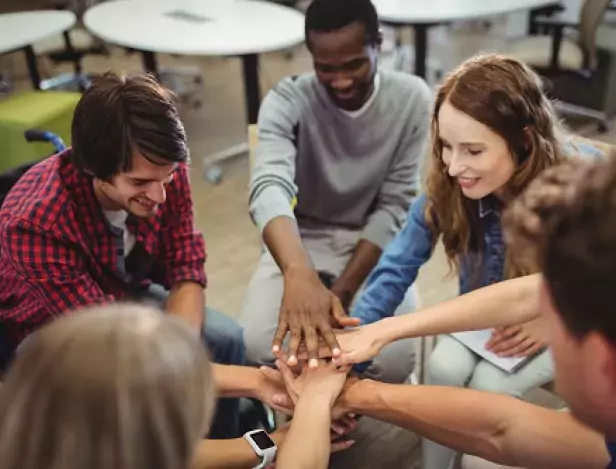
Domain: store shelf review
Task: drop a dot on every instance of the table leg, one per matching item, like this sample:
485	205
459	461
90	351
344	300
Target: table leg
149	63
250	65
421	49
35	76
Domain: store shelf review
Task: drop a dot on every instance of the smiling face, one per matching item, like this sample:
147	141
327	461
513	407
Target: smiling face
475	156
139	191
345	64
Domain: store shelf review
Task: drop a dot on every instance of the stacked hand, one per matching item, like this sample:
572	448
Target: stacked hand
322	384
308	311
357	345
518	341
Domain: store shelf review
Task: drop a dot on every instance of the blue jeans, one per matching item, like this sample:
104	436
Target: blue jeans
223	337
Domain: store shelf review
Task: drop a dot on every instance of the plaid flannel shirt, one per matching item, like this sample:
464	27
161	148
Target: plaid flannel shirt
58	251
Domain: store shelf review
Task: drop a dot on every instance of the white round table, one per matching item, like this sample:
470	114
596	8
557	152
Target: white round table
423	14
242	28
21	30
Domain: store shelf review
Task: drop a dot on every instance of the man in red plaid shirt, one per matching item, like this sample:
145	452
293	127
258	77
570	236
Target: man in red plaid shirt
111	219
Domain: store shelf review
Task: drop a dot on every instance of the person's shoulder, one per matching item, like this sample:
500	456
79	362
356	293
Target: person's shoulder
40	196
405	89
295	89
398	81
295	85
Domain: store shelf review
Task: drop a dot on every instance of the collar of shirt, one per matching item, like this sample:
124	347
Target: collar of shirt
489	204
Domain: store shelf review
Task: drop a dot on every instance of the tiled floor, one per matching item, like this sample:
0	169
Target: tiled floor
221	210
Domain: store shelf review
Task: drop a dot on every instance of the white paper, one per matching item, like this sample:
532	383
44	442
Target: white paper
476	341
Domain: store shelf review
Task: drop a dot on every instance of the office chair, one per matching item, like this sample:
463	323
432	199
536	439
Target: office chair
580	76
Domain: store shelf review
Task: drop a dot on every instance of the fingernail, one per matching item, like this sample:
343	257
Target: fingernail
352	416
336	351
292	360
350	443
276	349
313	363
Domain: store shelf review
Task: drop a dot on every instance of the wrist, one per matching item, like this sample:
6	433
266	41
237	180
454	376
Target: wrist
298	269
387	330
353	395
318	397
253	381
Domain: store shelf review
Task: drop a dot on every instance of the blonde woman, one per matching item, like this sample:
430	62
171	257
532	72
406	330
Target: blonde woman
122	387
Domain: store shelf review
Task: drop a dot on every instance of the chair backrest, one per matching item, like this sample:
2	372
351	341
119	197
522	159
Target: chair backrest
591	17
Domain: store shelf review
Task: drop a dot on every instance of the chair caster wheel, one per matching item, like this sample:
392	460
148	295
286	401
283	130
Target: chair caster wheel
213	174
603	127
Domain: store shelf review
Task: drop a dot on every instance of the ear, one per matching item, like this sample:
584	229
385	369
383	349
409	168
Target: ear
379	42
600	357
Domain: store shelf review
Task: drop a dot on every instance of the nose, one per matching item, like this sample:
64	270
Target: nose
341	82
157	193
455	165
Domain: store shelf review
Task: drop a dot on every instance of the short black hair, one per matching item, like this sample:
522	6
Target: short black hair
330	15
117	115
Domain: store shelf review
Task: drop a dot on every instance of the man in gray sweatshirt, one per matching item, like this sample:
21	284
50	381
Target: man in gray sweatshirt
345	143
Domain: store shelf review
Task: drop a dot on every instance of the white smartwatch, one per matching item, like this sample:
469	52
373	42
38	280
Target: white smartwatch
263	446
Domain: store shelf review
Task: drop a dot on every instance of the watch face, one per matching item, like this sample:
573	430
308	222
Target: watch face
262	440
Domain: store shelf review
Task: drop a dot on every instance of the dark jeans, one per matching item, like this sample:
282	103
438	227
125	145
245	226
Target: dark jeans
224	339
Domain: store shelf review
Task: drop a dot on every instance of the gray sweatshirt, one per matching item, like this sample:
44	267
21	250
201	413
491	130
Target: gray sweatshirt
356	171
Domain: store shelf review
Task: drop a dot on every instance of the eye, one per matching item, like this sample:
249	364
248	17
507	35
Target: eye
138	183
474	152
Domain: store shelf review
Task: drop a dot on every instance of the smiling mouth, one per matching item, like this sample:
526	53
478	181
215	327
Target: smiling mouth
147	204
467	182
344	95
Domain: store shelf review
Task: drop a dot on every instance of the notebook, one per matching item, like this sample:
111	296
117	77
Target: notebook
476	341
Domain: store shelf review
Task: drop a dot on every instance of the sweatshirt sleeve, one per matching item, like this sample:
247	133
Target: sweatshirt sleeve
272	185
397	268
401	185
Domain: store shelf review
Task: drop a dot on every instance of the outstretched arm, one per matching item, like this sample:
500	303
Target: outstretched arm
495	427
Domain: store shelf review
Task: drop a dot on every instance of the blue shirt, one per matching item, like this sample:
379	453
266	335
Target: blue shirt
399	264
611	448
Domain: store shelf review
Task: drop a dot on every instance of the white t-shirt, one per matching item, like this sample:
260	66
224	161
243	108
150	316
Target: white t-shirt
118	219
361	110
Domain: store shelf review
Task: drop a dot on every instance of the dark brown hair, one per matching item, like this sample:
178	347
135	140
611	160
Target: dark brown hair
578	251
117	115
122	386
507	97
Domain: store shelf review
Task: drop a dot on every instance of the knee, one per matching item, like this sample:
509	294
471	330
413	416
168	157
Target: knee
224	339
394	363
494	381
258	347
445	371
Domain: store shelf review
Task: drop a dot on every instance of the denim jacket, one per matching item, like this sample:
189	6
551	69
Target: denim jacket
399	264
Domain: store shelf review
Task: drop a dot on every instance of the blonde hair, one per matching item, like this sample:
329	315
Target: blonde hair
507	97
122	387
